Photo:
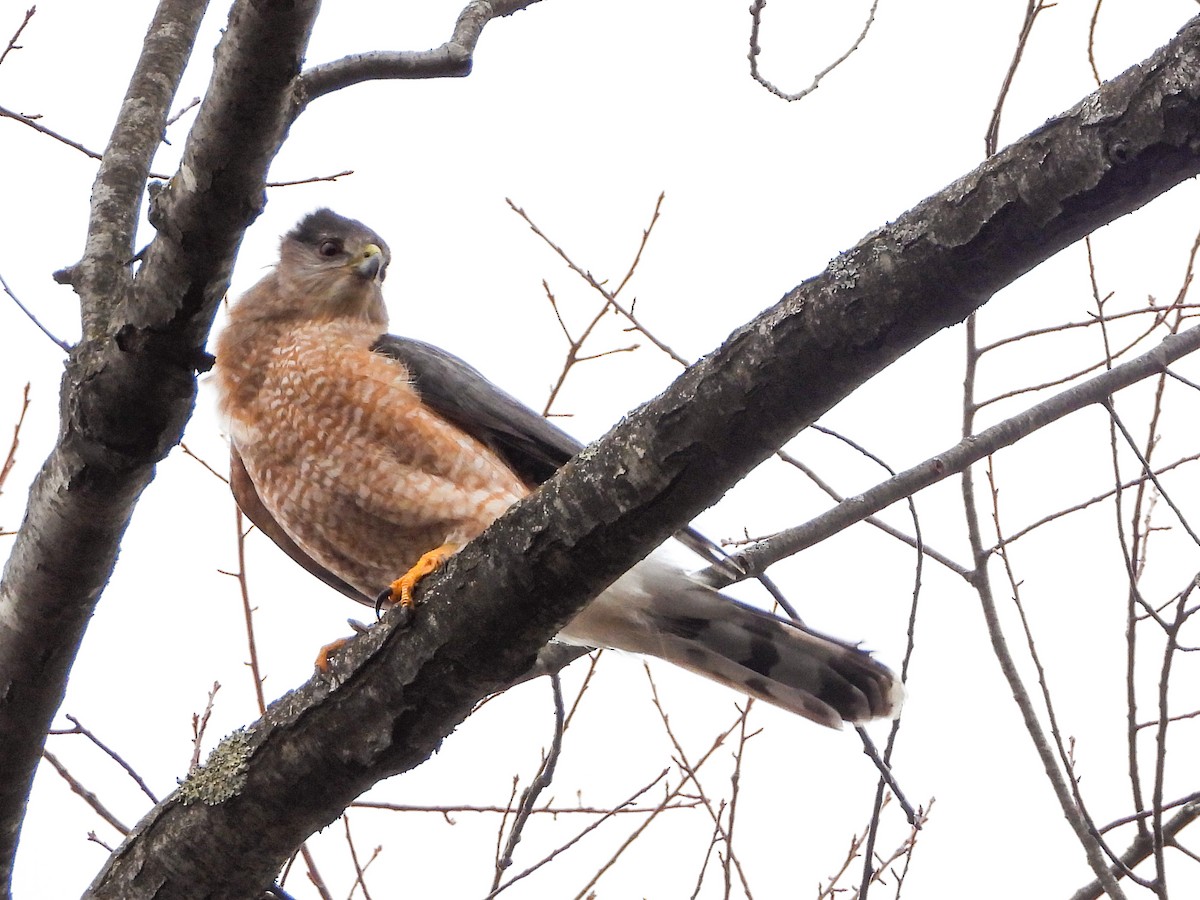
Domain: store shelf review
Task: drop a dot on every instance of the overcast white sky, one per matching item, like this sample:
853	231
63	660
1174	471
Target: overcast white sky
582	113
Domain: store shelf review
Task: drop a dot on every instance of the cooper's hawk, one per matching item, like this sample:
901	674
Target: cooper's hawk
364	455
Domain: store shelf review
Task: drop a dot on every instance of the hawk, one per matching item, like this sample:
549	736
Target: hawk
364	455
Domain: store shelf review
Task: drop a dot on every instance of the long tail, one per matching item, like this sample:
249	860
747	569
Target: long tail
659	610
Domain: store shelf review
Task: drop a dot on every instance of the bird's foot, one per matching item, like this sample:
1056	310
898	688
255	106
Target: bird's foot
324	655
400	592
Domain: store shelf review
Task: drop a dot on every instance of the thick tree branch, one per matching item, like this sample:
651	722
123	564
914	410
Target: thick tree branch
396	694
130	383
452	59
65	550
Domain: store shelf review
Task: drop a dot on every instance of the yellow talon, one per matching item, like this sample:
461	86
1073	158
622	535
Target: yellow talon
322	662
401	590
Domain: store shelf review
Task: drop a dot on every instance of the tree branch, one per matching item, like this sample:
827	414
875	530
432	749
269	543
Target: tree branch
757	558
130	383
452	59
395	694
66	548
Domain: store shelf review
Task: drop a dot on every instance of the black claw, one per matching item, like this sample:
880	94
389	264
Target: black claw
384	596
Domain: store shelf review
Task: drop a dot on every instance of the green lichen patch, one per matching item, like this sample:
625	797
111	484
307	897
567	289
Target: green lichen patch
222	775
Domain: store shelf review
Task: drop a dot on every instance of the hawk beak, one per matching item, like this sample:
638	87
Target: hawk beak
369	263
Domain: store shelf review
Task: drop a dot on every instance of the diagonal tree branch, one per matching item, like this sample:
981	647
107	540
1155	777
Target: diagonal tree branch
762	554
396	694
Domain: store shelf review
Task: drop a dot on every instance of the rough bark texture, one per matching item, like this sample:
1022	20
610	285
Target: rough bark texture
81	502
130	382
397	694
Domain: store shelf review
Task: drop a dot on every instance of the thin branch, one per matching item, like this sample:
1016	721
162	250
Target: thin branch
31	123
313	180
109	752
183	110
1159	313
887	776
955	567
62	345
541	781
1092	845
690	771
575	840
248	611
609	296
188	452
1091	43
991	138
1078	507
756	9
200	726
1150	474
12	41
314	874
1141	848
1160	737
448	811
11	458
359	868
956	459
89	798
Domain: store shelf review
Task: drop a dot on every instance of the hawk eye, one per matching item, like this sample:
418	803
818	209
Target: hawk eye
330	248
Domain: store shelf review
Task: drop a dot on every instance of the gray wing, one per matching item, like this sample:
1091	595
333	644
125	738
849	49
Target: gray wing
530	445
460	394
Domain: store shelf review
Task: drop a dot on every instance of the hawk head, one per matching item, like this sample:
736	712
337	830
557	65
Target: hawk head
331	267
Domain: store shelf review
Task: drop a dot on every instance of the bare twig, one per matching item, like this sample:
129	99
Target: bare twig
1099	498
991	138
78	728
314	875
756	9
12	41
1150	474
200	725
540	782
972	449
359	868
62	345
89	798
1147	813
609	296
191	104
875	521
447	812
690	771
735	779
1182	613
187	451
248	611
575	840
11	458
313	180
1158	312
1141	848
1090	842
1091	43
